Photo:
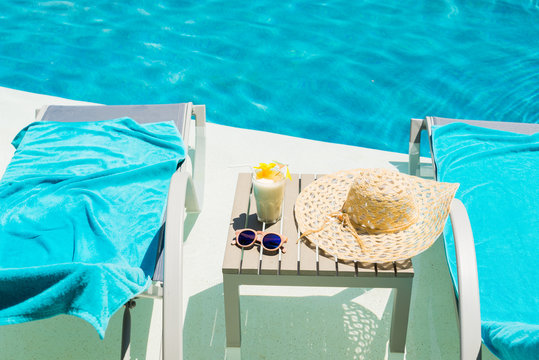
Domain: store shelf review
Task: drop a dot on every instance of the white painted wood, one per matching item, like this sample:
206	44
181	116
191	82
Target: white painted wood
199	157
173	270
468	299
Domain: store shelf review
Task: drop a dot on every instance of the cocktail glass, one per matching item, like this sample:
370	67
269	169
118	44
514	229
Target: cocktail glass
268	188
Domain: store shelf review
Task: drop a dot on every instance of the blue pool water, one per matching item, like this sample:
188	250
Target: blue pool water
350	72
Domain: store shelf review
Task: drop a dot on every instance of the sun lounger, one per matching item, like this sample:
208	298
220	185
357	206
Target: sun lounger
504	156
183	203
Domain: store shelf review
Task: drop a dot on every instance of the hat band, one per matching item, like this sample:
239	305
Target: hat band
345	220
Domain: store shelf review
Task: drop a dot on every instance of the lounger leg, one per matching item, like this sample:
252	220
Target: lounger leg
126	331
199	158
232	311
399	318
416	125
173	268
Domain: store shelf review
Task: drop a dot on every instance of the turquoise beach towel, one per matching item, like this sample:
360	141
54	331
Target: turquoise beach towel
81	208
498	174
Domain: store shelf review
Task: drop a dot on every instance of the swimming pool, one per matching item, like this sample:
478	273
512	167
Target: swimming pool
350	72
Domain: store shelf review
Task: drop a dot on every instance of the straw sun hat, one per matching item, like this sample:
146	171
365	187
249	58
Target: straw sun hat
373	215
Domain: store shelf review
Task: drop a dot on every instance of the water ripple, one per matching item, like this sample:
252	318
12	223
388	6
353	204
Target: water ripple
339	71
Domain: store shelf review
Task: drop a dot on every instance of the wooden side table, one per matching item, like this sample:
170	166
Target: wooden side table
301	265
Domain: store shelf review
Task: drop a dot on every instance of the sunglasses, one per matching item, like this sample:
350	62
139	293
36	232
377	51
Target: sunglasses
269	240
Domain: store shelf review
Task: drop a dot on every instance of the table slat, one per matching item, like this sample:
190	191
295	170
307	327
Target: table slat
365	269
346	269
270	259
251	256
307	262
386	269
327	264
231	262
247	261
289	260
404	268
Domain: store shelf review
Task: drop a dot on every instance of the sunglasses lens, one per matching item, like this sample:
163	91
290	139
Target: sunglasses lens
246	237
271	241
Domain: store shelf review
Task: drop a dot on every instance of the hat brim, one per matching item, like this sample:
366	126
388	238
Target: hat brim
327	194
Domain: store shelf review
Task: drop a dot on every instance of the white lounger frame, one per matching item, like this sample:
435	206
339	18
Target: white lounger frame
184	200
468	306
184	203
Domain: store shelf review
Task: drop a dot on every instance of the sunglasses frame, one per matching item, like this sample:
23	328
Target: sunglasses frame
259	236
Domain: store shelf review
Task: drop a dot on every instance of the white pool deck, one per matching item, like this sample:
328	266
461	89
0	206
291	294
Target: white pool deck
277	323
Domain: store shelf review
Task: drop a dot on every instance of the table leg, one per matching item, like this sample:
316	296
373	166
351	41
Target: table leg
231	290
399	318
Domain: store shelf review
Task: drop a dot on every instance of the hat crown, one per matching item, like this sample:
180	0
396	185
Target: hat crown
381	201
